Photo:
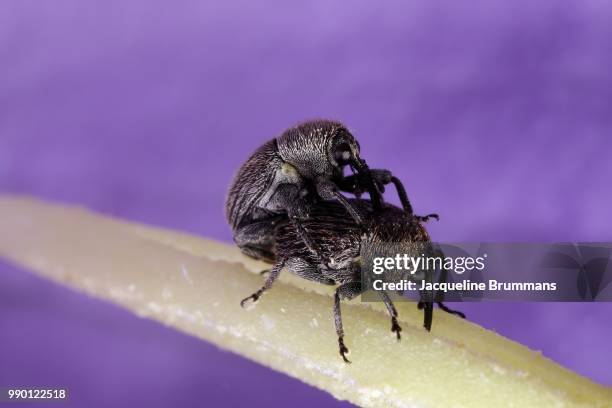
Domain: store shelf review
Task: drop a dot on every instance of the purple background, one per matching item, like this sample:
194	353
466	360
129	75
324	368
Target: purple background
496	114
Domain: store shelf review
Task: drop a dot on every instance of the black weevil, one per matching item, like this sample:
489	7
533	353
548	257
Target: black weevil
341	240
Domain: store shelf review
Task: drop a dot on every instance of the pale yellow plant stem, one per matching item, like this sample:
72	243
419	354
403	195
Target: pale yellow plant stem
195	285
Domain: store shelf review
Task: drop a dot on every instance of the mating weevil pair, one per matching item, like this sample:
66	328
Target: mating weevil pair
285	207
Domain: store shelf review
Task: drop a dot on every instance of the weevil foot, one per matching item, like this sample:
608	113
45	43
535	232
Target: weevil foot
425	218
442	306
396	328
249	302
343	350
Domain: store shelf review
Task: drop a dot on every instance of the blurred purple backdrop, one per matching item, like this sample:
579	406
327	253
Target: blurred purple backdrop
496	115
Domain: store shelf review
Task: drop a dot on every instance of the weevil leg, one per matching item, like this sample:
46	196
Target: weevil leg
339	330
365	180
348	207
428	314
265	272
310	244
351	184
440	295
425	218
403	196
401	192
345	291
296	213
395	327
328	191
381	177
274	272
442	306
426	303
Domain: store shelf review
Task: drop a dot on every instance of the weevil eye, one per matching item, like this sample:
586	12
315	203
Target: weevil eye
343	154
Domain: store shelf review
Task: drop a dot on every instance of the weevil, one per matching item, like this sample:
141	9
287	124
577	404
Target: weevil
341	240
290	174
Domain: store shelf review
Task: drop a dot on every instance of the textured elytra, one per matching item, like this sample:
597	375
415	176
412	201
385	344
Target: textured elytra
251	182
339	239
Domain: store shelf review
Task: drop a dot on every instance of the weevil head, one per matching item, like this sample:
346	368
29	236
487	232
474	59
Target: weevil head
343	150
319	148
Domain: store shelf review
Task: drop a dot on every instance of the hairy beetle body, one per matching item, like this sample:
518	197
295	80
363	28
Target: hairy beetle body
286	176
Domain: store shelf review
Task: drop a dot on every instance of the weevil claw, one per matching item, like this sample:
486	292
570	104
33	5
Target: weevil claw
343	350
425	218
248	305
